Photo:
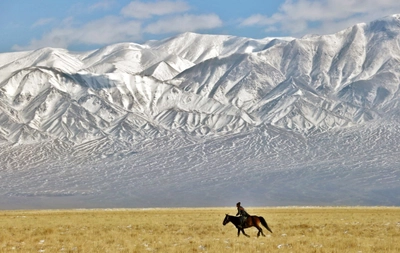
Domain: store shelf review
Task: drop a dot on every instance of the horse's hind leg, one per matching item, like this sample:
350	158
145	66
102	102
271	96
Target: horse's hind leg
260	231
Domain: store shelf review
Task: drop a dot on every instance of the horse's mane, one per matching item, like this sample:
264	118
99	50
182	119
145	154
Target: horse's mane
232	217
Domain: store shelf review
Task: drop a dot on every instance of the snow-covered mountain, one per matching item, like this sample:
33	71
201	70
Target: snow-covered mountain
204	120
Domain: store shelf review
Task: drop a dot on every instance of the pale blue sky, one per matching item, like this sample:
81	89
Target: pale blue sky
85	25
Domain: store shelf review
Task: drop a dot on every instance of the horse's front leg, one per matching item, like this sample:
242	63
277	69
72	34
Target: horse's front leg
244	233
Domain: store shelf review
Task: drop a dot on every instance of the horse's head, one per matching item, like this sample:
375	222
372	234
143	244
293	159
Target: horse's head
226	220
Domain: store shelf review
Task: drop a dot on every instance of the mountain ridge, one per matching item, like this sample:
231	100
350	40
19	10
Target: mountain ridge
215	114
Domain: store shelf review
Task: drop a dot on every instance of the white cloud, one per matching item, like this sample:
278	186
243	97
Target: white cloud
43	22
299	17
102	5
184	23
107	30
142	10
165	18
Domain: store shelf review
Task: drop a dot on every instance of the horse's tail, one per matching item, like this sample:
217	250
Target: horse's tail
264	223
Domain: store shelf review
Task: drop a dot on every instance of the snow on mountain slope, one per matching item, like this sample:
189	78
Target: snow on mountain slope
46	57
348	69
204	120
197	48
168	68
125	57
6	58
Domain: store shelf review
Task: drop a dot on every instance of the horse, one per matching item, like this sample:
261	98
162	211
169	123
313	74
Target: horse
251	221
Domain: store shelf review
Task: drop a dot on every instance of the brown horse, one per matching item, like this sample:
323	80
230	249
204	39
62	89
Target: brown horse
250	222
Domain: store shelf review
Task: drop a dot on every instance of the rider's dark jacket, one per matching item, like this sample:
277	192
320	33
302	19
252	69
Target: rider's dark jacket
242	212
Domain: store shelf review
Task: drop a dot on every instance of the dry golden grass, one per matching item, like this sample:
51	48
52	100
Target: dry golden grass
200	230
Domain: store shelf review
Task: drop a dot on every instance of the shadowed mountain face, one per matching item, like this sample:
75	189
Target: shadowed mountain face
200	120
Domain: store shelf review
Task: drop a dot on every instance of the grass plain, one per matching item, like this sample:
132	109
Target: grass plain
296	229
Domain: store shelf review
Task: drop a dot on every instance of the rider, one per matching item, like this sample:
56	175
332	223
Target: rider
243	214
